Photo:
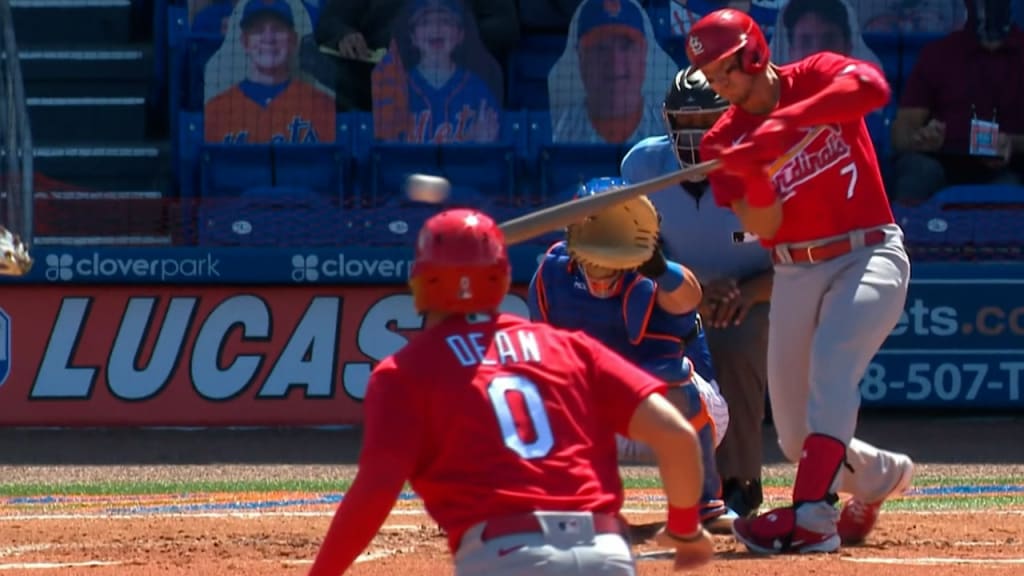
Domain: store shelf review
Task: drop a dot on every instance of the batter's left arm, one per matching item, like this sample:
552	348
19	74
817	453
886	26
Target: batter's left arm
850	90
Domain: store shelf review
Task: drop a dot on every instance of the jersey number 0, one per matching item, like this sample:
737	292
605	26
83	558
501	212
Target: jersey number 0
535	417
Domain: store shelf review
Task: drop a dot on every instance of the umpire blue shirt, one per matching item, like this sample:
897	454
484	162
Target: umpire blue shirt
703	236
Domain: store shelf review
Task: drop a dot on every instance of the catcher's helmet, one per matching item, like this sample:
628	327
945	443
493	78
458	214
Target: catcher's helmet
723	33
461	264
691	107
595	186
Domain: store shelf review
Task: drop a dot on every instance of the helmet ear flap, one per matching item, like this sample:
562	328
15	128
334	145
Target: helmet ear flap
754	54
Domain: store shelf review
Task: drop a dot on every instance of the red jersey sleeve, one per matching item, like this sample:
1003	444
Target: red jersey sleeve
617	386
393	418
845	89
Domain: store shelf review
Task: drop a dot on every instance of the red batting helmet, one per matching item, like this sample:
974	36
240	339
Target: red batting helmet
723	33
461	264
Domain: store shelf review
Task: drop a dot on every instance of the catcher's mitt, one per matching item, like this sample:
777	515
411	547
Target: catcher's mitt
14	258
621	237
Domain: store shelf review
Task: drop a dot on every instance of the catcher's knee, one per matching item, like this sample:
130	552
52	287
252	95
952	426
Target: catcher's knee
633	452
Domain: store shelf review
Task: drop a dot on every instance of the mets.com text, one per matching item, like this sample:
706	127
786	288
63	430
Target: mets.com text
919	319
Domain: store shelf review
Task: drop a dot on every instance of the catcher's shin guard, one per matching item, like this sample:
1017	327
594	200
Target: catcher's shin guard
694	409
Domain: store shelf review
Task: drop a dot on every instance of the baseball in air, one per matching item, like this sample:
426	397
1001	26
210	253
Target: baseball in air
426	188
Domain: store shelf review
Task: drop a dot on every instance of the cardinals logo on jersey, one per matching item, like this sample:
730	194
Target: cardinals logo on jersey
813	155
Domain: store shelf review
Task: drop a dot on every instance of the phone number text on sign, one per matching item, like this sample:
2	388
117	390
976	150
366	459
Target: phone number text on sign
989	381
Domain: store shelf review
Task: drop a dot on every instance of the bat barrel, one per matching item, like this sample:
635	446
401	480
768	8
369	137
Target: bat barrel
561	215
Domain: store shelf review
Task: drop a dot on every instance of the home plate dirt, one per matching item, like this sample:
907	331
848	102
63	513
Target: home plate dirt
932	544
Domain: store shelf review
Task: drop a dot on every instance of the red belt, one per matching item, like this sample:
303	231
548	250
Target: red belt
530	524
828	250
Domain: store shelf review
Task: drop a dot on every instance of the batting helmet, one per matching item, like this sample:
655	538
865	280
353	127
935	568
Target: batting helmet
723	33
461	264
691	107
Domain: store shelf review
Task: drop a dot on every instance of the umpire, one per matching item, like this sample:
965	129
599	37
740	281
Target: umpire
736	273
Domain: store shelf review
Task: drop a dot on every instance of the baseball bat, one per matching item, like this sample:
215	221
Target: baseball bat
561	215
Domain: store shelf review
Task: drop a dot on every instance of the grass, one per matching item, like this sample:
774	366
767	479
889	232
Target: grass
132	488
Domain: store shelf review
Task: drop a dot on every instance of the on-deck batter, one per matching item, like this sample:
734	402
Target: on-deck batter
801	173
506	429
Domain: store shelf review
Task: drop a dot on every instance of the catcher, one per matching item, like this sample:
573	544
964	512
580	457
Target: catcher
611	280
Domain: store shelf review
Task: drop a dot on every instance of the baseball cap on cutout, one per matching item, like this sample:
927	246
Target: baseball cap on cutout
601	17
422	7
278	8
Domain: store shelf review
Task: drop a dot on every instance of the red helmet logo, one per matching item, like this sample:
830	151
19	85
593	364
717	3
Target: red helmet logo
723	33
461	264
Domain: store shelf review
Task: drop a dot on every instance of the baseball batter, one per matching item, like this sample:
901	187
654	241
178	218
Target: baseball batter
800	172
648	315
506	429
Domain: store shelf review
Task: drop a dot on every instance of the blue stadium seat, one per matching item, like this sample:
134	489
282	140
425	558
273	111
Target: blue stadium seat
561	167
962	197
490	169
177	28
231	169
320	168
528	68
390	164
270	216
887	47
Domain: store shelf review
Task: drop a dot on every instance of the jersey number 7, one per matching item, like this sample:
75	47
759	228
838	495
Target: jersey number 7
524	422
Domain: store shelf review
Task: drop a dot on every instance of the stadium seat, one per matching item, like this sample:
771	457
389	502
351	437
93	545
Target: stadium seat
675	46
561	167
961	197
887	47
391	163
489	169
528	68
270	216
229	170
320	168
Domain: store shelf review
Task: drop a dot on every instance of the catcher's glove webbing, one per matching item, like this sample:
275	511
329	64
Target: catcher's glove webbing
621	237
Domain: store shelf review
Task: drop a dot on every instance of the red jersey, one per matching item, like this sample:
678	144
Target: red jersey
829	185
498	416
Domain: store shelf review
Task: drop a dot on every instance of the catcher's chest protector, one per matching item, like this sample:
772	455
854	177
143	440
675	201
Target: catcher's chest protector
612	321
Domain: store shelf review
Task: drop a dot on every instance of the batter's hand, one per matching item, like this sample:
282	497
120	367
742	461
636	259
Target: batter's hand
691	551
762	147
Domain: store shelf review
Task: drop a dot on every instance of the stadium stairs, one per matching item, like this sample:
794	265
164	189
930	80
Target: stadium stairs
88	68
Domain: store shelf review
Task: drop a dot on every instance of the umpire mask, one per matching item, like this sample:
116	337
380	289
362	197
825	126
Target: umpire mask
690	108
990	19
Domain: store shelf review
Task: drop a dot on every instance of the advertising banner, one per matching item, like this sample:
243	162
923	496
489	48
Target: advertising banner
960	343
187	355
236	265
180	356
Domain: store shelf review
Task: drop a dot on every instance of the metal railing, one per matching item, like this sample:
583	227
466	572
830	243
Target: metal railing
16	193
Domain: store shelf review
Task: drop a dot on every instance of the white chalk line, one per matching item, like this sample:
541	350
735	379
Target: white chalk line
934	561
367	557
56	565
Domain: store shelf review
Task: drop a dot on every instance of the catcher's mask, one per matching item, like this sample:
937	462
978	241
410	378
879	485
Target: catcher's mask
690	109
461	264
601	282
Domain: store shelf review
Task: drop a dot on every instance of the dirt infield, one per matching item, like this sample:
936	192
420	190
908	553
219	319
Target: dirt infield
244	534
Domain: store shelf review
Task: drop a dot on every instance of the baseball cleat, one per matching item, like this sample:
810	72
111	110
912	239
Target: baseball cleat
722	523
858	518
776	532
